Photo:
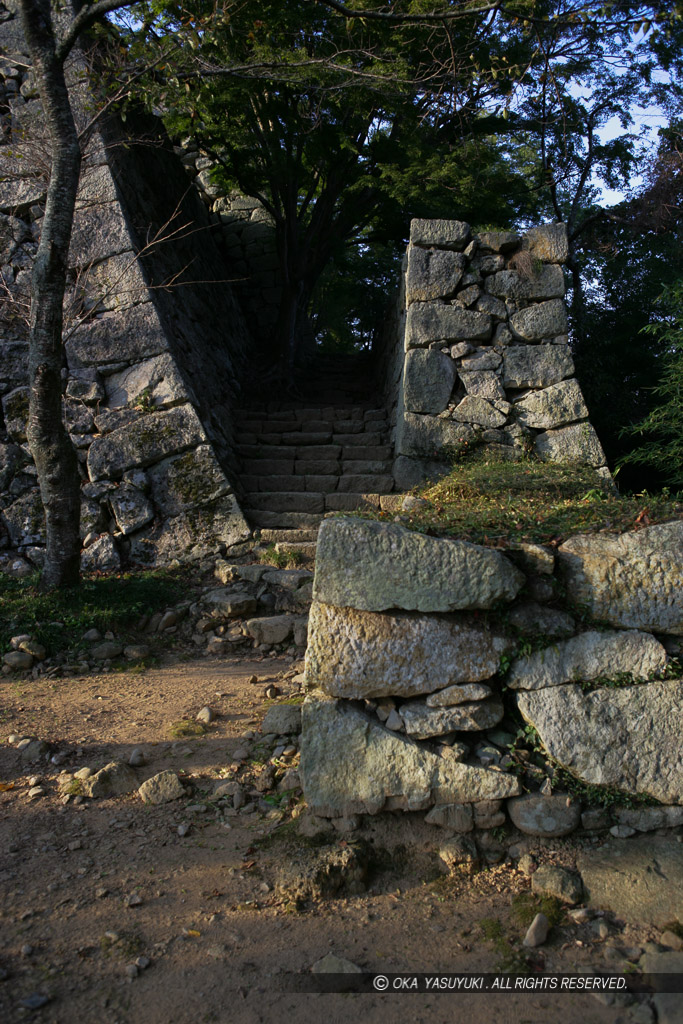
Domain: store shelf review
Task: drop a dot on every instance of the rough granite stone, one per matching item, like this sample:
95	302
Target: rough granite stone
428	380
375	566
483	384
545	283
115	779
439	234
458	694
630	580
350	764
575	443
145	441
536	366
456	816
430	437
432	274
358	654
588	656
539	815
282	719
629	738
423	722
542	320
639	879
477	410
552	880
434	321
188	480
552	407
161	789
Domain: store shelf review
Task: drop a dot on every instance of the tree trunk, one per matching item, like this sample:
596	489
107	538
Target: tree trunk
49	442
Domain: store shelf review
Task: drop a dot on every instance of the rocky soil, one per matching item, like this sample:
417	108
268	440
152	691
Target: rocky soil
202	907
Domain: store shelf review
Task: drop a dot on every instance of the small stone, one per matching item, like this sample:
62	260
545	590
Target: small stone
35	1001
161	788
241	754
36	792
137	758
184	830
671	940
205	715
622	831
26	950
106	651
92	636
333	964
134	899
551	880
132	971
580	916
600	930
527	864
83	773
291	780
394	721
136	652
459	850
18	661
537	932
539	815
101	893
143	962
33	648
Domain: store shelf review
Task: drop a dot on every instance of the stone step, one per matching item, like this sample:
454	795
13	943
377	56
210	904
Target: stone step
322	483
306	535
305	549
270	427
351	502
285	501
363	484
282	520
366	466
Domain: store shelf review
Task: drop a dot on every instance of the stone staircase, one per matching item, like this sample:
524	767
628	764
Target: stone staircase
300	463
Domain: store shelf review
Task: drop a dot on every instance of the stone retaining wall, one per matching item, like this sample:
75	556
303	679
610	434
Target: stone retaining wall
425	654
153	348
482	353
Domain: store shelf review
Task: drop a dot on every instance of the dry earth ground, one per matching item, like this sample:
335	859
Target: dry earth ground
219	935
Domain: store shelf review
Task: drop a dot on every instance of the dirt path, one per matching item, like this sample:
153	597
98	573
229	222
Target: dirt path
207	914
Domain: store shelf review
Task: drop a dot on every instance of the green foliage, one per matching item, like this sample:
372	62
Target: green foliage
500	503
601	796
525	906
664	424
185	729
114	602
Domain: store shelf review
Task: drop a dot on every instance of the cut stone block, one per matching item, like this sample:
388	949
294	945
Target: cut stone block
364	654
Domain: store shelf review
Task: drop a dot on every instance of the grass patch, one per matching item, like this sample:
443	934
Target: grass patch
511	959
525	906
184	729
281	559
489	501
599	796
112	603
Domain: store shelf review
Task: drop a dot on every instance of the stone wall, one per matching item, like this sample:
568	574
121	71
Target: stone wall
424	654
153	348
481	352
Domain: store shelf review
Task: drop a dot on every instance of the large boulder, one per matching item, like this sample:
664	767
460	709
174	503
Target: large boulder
364	654
588	656
373	566
536	366
144	441
576	443
442	234
428	380
542	320
629	738
432	274
640	879
435	321
632	580
545	282
431	438
350	764
552	407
